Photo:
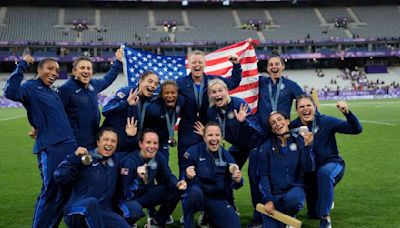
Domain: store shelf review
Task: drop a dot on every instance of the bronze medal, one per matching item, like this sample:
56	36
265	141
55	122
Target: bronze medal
172	142
86	159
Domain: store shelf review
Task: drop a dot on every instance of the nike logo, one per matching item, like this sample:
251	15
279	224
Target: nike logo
78	90
202	159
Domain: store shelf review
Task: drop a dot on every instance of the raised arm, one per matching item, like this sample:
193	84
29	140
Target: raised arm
351	125
13	89
111	75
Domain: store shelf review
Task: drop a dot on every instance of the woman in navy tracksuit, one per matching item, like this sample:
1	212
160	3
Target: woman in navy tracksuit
93	184
129	102
329	165
239	127
54	139
162	114
147	181
283	160
210	171
79	95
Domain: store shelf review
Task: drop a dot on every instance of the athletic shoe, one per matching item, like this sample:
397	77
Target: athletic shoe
325	223
237	212
170	220
152	224
203	220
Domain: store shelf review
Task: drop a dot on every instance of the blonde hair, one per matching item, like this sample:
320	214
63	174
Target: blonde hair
196	52
214	82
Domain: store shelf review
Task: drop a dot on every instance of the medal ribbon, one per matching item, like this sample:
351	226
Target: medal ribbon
274	101
222	122
142	113
170	122
198	94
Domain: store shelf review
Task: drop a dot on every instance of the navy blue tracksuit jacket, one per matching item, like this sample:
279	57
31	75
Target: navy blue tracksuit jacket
82	106
288	92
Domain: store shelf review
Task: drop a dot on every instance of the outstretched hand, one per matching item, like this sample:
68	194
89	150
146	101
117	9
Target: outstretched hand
242	113
118	54
133	98
198	128
131	126
29	59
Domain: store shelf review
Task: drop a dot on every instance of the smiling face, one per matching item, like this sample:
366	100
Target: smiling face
48	72
197	64
169	94
212	137
149	145
218	95
279	124
83	71
275	67
305	110
148	84
107	143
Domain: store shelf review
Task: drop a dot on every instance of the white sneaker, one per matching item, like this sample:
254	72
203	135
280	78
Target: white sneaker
170	220
333	205
149	219
202	221
237	212
181	220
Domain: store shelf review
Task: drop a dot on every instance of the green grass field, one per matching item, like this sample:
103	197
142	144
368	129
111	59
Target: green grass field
368	195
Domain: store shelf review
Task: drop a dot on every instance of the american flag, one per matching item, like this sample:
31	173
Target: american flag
172	67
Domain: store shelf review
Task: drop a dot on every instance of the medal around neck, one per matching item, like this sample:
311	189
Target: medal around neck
172	142
303	130
87	159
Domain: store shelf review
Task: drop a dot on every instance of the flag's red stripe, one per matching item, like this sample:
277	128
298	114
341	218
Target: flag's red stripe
222	59
245	87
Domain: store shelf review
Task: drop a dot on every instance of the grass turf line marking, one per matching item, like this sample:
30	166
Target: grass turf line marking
378	122
11	118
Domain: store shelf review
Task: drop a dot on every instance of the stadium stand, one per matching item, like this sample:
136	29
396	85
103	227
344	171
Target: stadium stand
213	25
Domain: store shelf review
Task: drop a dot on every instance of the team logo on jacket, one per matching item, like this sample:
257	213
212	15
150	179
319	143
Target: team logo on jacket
152	165
186	155
90	87
283	86
293	147
231	115
121	95
125	171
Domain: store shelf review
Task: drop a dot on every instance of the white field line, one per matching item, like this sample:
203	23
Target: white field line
378	122
11	118
366	103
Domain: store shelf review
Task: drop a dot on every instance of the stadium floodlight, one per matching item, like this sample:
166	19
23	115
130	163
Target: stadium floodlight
225	2
185	3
